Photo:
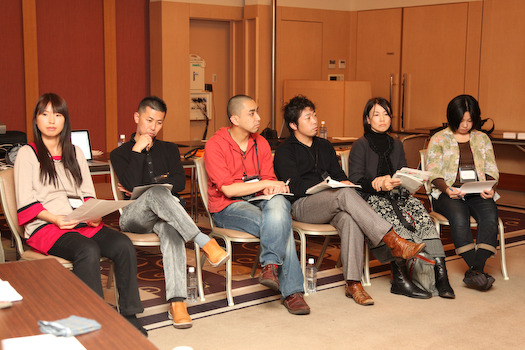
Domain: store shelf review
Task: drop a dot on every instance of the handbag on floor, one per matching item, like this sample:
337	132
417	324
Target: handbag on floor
421	272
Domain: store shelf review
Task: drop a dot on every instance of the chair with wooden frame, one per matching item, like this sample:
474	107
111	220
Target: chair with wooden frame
150	239
8	200
440	220
227	235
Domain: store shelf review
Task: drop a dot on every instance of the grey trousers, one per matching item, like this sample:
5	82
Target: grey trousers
353	218
157	210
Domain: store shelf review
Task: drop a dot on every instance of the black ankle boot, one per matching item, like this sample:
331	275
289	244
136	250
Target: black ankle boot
442	284
402	285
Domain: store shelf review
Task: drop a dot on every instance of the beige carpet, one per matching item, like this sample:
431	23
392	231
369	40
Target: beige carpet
474	320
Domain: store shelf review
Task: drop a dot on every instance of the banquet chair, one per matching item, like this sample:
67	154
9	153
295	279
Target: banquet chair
440	220
227	235
8	200
411	145
149	239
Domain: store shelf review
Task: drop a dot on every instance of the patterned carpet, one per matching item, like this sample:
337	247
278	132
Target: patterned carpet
247	290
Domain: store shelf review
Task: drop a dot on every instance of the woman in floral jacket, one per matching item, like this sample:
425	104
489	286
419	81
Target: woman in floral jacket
458	154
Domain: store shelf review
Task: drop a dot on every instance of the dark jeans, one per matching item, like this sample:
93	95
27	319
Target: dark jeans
85	254
458	213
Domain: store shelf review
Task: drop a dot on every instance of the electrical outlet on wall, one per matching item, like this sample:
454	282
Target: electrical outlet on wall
331	64
342	64
214	78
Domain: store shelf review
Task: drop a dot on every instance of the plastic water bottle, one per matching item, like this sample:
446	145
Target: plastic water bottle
192	285
121	140
323	132
311	277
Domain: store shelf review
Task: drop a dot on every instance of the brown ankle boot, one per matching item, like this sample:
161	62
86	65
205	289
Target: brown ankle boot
179	314
215	254
401	248
354	290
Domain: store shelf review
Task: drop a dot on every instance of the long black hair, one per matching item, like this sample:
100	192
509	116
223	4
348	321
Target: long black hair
457	108
47	167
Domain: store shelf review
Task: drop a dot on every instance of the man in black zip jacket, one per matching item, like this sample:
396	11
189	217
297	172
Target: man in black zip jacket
305	160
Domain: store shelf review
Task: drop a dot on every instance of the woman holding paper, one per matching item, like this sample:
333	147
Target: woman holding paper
457	155
374	158
52	178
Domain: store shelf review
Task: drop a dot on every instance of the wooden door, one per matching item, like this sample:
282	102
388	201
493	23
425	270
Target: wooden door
502	83
379	53
433	62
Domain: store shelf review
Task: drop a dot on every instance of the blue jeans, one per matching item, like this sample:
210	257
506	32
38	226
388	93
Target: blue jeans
458	212
272	223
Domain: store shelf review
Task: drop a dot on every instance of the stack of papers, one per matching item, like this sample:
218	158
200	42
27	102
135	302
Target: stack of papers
328	183
412	179
8	293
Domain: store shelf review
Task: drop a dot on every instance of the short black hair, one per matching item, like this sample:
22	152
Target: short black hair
153	102
293	109
235	103
458	107
383	102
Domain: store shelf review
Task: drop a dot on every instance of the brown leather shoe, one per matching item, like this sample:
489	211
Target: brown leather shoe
296	304
268	277
215	254
355	291
401	248
179	314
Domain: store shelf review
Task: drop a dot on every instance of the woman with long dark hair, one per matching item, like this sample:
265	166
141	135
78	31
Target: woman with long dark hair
52	178
374	158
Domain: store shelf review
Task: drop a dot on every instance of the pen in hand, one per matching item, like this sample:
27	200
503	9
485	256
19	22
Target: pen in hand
287	182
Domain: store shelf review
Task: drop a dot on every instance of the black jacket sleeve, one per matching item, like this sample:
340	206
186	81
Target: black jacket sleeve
357	165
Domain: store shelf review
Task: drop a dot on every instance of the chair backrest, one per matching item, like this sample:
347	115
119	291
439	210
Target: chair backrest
411	145
117	194
344	155
8	199
202	181
428	188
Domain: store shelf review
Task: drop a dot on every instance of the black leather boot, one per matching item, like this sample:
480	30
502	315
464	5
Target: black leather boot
402	285
442	284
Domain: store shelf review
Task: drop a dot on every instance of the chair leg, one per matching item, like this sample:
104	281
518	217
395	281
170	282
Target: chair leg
256	262
501	230
302	240
111	273
229	269
111	276
323	251
366	273
198	264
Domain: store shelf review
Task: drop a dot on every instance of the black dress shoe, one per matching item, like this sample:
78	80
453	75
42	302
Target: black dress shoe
477	280
490	281
136	323
442	283
402	285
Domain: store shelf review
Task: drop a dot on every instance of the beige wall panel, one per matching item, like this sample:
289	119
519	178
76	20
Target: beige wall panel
357	93
502	83
379	53
433	58
237	53
211	41
328	97
475	20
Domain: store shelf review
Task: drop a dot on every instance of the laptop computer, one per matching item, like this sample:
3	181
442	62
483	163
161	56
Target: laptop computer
81	139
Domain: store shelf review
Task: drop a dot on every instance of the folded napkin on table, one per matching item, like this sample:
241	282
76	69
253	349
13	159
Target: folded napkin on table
71	326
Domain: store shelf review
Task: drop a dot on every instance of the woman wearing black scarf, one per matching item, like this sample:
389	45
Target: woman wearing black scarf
374	158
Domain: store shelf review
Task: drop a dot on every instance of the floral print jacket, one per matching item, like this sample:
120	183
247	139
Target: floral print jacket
443	157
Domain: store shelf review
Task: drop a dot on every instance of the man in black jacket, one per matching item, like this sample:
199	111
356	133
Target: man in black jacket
305	160
144	160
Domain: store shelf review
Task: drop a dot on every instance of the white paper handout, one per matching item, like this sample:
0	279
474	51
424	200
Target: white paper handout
412	179
137	191
8	293
95	209
42	342
328	183
477	186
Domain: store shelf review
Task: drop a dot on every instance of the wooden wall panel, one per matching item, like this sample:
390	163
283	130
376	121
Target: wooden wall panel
502	83
71	60
133	75
12	62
